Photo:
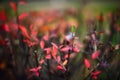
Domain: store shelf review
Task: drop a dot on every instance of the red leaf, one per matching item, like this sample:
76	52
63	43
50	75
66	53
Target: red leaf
33	69
60	68
33	36
95	73
42	44
3	15
95	54
37	73
76	50
47	50
46	37
31	27
2	42
66	56
24	31
39	68
65	49
23	15
6	28
13	5
54	45
58	58
13	26
29	43
95	77
42	61
48	56
54	50
87	63
36	69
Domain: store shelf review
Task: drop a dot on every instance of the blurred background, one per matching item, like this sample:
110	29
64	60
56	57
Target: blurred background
44	16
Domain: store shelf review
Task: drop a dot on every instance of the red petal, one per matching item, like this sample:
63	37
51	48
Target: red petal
23	15
95	54
24	31
13	5
42	44
87	63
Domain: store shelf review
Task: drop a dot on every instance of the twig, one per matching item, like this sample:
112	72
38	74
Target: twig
92	71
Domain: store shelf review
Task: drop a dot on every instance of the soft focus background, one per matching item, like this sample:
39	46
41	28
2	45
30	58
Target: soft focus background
47	15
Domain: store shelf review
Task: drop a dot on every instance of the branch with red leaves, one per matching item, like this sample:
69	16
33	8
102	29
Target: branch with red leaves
103	54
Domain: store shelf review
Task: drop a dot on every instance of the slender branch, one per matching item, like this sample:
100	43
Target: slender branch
48	67
92	71
36	59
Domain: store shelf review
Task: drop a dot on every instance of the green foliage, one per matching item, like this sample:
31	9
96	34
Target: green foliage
73	28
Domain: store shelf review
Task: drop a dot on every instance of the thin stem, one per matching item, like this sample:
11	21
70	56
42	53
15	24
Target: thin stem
91	71
48	67
36	59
